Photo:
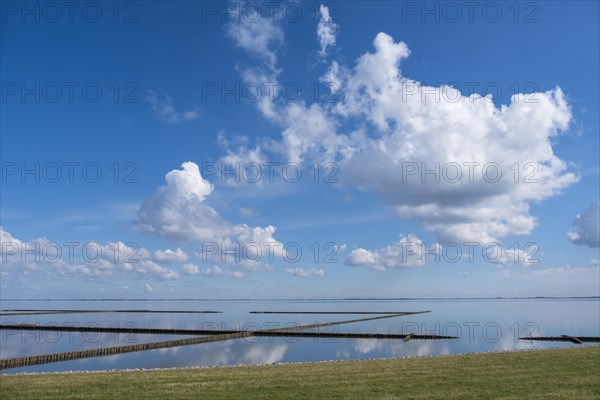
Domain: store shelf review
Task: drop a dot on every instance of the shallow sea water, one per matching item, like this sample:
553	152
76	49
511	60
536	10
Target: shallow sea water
481	325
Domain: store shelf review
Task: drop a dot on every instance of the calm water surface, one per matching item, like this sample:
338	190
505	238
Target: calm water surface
482	325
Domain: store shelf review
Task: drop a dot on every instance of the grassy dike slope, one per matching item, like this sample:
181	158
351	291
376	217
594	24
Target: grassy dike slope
572	373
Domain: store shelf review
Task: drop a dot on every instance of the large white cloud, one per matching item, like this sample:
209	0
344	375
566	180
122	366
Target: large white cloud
177	211
410	125
586	227
436	128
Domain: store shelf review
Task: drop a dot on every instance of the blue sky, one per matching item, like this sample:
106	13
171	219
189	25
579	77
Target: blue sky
160	97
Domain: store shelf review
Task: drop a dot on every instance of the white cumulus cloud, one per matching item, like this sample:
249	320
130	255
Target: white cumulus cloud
193	269
586	227
178	211
170	256
384	125
90	259
408	252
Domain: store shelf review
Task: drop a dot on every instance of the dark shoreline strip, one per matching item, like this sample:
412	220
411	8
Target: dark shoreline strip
106	351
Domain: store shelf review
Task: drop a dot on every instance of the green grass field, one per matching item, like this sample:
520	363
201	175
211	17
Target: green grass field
572	373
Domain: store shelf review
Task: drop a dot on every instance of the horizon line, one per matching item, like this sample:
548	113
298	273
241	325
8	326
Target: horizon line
299	298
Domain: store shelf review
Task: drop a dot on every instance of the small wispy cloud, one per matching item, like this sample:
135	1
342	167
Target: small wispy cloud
305	273
257	38
248	212
163	108
193	269
326	30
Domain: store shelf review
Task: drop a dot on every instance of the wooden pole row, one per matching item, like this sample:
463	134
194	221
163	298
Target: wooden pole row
106	351
563	338
44	312
191	332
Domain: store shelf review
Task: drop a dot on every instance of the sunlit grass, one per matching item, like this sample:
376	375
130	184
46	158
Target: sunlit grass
572	373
